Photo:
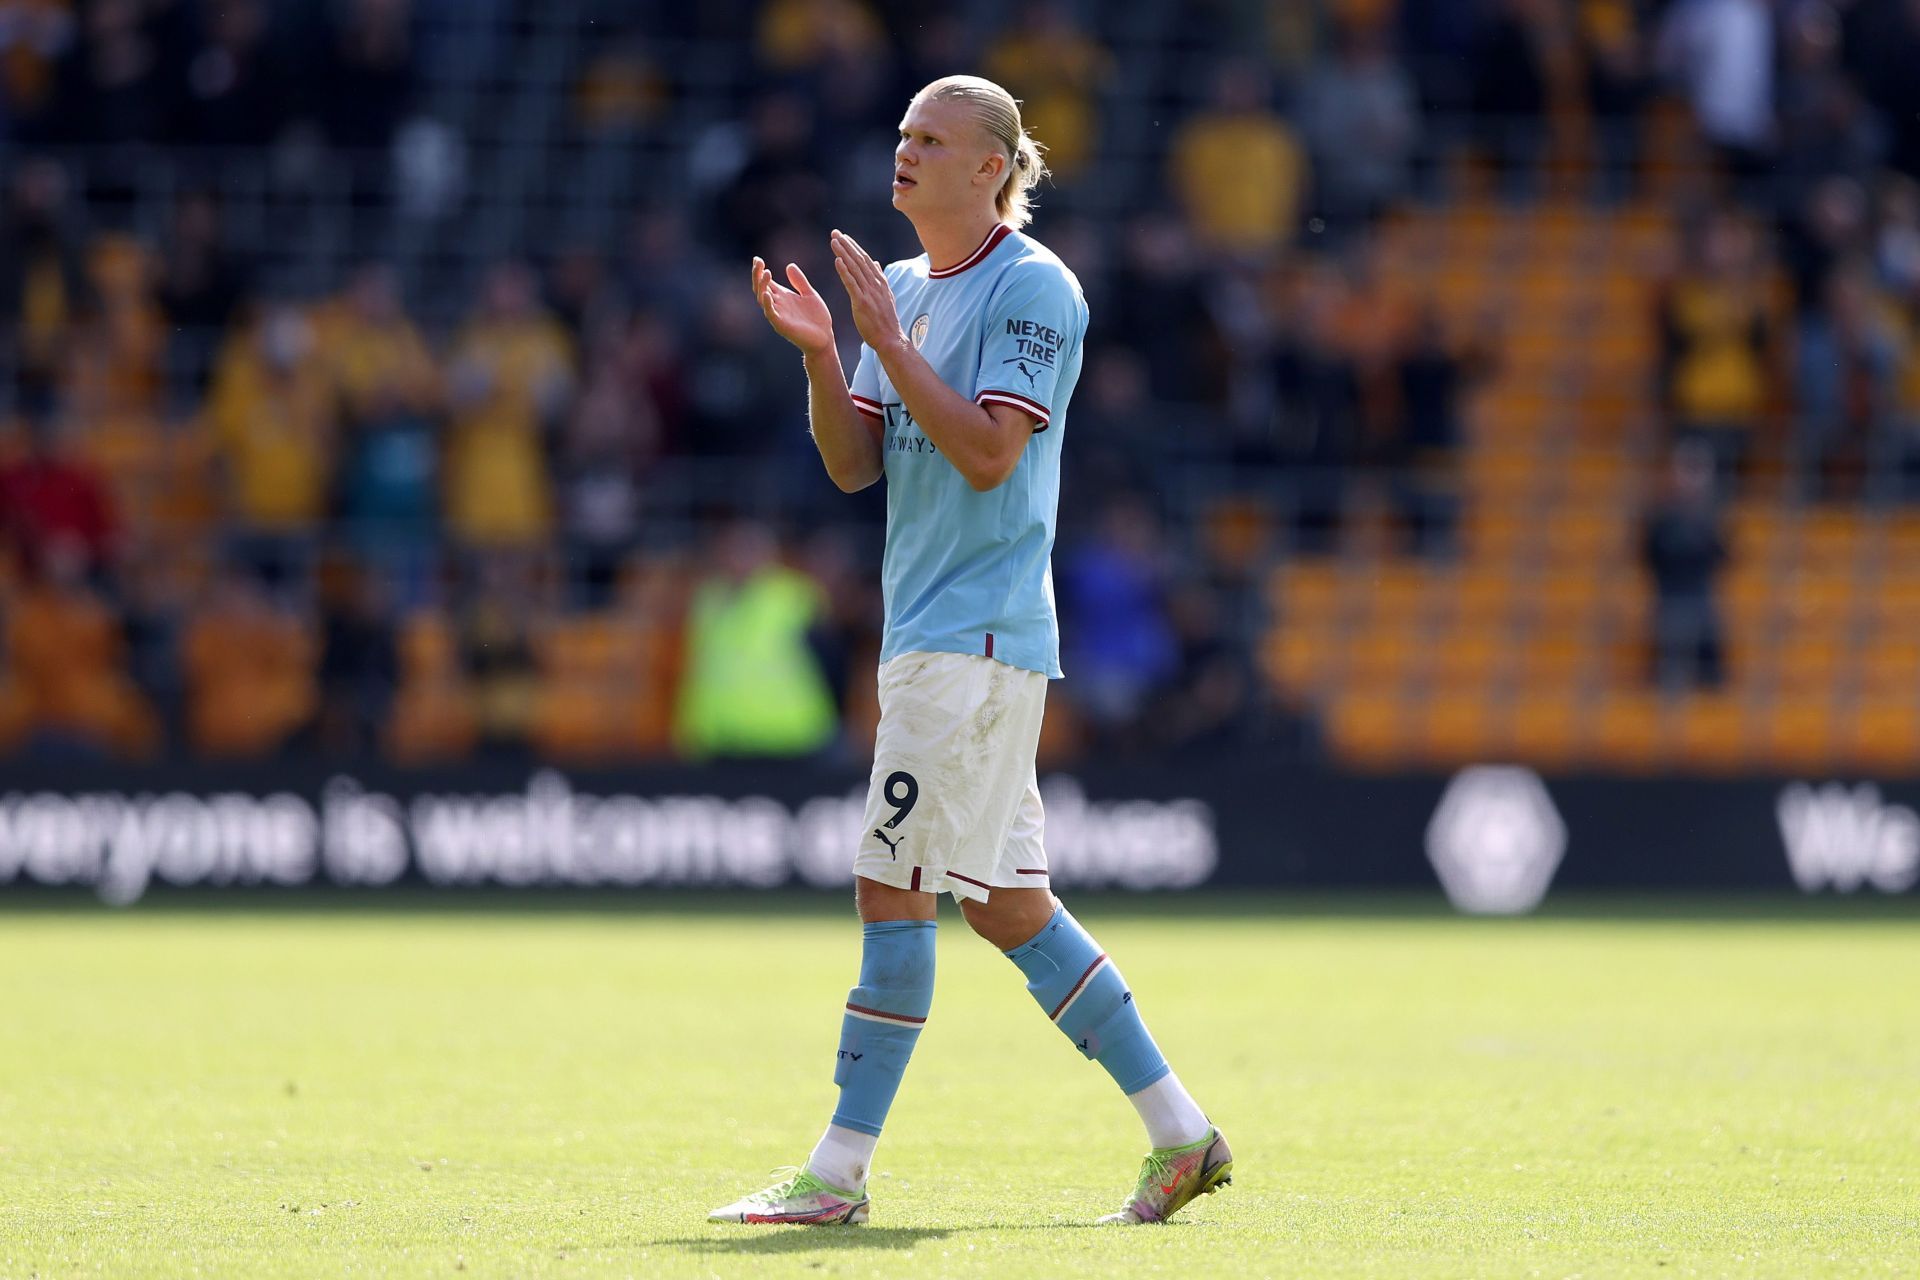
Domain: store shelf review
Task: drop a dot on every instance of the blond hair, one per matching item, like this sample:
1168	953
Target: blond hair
998	114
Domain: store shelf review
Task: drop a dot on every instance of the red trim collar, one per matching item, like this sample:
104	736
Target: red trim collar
1000	232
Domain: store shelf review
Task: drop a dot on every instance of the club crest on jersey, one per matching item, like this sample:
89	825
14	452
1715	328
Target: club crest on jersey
918	334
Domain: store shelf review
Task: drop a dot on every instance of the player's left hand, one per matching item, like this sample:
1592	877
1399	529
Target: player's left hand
868	290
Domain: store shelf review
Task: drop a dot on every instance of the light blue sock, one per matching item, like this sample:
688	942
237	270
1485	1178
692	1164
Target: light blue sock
883	1019
1081	990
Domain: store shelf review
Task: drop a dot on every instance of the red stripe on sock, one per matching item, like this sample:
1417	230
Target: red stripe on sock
1097	962
882	1013
989	644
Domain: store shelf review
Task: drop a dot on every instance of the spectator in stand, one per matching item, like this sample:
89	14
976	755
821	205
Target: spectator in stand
1832	226
781	181
1614	59
201	287
249	667
1120	645
662	269
1120	438
1316	397
1434	376
115	84
511	384
1682	548
1826	129
65	658
1880	46
33	37
1897	259
1510	71
1717	339
578	293
623	90
1239	170
369	79
1896	250
1160	309
272	418
1902	458
359	666
115	366
152	589
846	635
739	386
797	35
235	95
1057	70
1721	54
1359	116
1438	38
1848	358
1214	704
54	504
42	282
495	638
388	390
938	43
752	686
614	432
375	355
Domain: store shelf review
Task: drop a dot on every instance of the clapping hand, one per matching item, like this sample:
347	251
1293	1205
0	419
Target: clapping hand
868	290
798	314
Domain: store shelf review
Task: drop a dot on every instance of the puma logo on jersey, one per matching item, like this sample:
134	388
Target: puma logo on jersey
893	846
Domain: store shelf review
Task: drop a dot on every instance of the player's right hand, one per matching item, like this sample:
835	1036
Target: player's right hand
798	314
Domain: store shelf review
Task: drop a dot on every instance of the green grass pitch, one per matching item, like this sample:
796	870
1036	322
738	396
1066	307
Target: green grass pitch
561	1092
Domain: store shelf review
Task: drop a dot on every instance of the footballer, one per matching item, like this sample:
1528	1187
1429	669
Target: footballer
969	355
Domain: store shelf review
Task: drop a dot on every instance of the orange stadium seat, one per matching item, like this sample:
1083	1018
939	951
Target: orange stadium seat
1370	729
1548	727
1301	659
600	695
1883	735
1804	663
1627	730
1555	660
1382	655
1468	658
1890	665
1460	728
1711	732
433	716
1802	732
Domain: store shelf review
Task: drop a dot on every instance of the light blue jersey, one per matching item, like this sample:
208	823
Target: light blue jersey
970	572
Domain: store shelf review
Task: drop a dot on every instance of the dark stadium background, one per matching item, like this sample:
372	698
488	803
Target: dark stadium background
1497	452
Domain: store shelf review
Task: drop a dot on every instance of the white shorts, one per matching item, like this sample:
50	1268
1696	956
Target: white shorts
954	805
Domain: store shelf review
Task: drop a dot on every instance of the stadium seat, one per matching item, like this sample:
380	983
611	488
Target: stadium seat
250	681
1712	732
1883	736
1467	657
1460	728
1380	656
1548	727
1369	729
1802	732
433	715
1301	659
1627	731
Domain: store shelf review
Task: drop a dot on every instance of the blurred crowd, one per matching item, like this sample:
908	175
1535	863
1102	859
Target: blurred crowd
577	513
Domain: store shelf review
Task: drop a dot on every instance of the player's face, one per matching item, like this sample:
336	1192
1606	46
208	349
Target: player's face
944	158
